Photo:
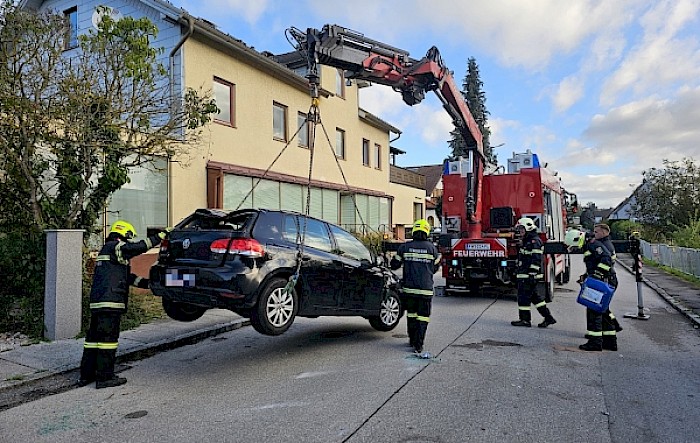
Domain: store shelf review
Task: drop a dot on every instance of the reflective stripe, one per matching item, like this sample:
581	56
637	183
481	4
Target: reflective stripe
90	345
609	333
437	259
423	319
137	281
418	255
535	267
536	251
102	258
611	315
539	276
118	252
603	267
540	304
523	308
614	257
418	291
522	276
412	315
148	242
594	333
587	253
107	345
107	304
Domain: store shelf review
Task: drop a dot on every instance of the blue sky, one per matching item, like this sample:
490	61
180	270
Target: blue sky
600	90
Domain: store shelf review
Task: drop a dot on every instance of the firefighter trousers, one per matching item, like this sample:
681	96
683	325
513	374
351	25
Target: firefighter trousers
100	348
418	309
527	295
600	328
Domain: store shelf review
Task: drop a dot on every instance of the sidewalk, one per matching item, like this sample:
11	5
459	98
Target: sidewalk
25	368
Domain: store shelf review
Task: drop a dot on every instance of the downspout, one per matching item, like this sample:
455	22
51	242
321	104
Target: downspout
188	34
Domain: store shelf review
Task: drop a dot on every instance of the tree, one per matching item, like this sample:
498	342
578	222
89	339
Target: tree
476	101
668	198
72	124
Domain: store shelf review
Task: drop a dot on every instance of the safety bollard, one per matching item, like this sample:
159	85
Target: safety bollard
635	249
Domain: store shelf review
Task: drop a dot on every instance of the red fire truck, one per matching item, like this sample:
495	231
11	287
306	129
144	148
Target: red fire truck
527	189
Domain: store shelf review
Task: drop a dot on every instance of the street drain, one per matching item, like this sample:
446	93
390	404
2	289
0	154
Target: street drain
481	345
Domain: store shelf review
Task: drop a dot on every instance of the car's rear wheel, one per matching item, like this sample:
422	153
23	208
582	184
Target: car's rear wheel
389	315
276	308
182	311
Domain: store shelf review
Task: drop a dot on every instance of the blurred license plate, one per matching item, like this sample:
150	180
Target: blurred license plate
179	277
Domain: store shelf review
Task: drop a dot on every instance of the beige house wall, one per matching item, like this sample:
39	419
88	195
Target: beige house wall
251	144
404	198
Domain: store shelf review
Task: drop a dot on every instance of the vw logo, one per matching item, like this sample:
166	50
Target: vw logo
186	243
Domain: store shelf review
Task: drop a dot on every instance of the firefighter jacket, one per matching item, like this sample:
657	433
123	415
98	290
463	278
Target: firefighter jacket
598	259
607	242
530	257
420	260
112	278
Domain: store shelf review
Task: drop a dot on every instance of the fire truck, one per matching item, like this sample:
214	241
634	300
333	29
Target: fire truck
526	189
478	251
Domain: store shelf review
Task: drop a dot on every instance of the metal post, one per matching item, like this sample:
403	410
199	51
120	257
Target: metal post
635	249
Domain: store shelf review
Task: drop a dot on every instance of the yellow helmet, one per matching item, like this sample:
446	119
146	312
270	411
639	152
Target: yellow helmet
421	225
123	228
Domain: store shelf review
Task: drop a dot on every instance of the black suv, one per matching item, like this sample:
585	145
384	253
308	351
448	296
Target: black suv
243	261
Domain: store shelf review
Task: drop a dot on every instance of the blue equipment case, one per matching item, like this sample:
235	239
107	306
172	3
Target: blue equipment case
595	294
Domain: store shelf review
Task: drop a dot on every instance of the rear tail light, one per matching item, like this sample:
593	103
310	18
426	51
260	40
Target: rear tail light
247	247
164	245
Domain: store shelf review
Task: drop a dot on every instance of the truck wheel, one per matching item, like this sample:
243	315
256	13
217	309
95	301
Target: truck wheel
549	285
276	308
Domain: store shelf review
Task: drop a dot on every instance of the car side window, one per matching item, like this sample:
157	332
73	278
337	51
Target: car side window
316	233
349	246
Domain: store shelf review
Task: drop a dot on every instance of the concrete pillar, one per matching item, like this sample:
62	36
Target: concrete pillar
64	283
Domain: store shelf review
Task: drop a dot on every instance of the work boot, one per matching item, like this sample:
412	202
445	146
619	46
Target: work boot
610	343
84	382
592	345
546	322
617	326
110	382
521	323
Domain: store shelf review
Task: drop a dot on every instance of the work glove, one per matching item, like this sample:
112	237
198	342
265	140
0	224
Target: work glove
599	276
164	233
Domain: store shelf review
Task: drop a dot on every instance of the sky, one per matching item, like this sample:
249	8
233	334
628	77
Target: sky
600	90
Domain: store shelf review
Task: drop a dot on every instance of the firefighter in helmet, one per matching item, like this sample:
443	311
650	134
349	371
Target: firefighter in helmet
420	259
601	231
529	272
109	297
600	329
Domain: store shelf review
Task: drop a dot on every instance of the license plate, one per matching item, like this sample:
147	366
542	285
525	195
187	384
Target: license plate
179	277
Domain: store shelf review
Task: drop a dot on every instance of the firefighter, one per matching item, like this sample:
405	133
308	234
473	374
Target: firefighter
600	330
420	260
601	232
109	297
529	272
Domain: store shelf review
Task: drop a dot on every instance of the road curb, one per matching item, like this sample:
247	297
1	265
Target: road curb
137	353
678	306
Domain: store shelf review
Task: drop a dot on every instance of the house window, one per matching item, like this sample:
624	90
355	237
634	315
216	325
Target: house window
339	143
377	156
303	130
71	17
365	152
339	83
279	122
224	95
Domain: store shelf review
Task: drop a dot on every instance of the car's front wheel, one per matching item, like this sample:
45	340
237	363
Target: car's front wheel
389	315
276	308
182	311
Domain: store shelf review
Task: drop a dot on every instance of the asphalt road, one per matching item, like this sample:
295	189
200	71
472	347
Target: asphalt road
338	380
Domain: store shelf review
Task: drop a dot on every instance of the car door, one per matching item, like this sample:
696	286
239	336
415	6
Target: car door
363	281
321	274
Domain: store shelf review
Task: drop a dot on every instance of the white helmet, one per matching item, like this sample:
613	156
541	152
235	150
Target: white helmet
574	237
527	223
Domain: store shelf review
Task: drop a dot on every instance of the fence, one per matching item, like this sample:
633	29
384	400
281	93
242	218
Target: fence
682	259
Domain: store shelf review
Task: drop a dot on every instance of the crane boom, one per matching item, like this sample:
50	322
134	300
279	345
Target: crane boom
366	59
